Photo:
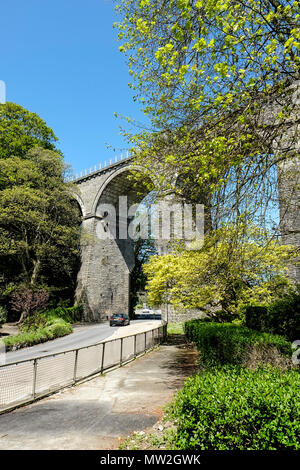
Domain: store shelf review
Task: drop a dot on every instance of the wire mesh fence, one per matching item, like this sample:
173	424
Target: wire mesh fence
24	381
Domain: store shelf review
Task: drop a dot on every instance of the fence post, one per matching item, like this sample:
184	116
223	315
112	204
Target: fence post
134	346
102	362
153	342
165	331
121	352
34	378
75	366
145	341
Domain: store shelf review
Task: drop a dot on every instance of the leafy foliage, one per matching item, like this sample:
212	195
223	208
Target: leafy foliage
234	408
29	338
29	301
236	266
39	223
3	315
226	343
191	55
280	317
45	325
214	78
143	250
21	130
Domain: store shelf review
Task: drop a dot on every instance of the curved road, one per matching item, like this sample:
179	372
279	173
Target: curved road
82	336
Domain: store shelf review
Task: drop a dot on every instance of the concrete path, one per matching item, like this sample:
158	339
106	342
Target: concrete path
100	412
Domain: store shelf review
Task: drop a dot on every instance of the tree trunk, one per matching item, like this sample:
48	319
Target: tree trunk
35	272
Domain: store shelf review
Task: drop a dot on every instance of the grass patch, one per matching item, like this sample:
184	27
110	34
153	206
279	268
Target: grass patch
37	329
175	328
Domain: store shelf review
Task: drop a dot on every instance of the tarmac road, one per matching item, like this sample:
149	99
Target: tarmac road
82	336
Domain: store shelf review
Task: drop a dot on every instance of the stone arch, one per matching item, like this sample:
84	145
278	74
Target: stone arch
80	204
117	223
109	180
107	263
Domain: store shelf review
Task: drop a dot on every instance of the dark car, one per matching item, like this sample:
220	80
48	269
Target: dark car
119	319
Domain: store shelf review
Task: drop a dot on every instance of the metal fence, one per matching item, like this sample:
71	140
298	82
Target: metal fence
25	381
101	166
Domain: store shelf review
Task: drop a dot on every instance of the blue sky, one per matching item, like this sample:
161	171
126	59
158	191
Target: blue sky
60	59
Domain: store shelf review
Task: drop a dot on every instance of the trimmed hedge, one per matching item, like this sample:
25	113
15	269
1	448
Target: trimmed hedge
281	317
225	343
234	408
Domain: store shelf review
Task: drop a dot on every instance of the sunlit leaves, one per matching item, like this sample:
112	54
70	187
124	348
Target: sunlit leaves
236	266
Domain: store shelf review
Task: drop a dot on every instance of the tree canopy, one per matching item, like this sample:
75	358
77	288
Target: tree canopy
234	268
39	217
215	79
193	60
39	220
20	130
218	80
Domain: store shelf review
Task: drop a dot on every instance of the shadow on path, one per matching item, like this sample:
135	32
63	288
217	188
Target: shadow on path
97	413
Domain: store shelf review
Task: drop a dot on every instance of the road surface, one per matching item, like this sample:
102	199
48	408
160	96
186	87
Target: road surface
82	336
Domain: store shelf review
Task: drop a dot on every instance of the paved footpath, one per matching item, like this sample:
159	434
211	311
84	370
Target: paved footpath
98	413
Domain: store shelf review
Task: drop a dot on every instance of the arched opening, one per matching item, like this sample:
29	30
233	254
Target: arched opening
121	206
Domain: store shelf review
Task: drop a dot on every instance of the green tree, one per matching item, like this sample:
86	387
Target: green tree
20	130
193	60
234	267
206	73
39	221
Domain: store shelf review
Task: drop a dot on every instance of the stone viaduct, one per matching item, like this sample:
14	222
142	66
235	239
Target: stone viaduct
106	261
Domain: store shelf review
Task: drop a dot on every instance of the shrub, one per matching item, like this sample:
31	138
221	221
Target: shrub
38	329
225	343
234	408
68	314
280	317
256	317
28	301
60	329
42	319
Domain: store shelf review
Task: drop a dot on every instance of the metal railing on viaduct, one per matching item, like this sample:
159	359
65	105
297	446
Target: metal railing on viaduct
25	381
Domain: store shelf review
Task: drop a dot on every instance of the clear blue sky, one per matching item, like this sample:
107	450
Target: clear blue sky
60	59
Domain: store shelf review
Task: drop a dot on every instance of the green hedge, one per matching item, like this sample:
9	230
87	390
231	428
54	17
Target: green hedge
225	343
281	317
232	408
